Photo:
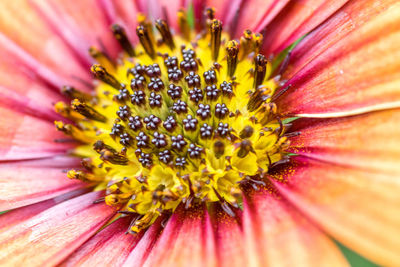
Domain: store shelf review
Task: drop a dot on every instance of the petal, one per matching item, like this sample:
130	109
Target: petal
141	251
256	14
229	240
296	19
359	209
22	185
78	27
110	247
356	75
278	235
25	213
27	39
369	141
52	235
346	20
26	137
173	248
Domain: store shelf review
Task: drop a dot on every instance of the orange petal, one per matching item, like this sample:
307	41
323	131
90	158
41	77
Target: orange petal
173	249
25	213
359	209
52	235
369	141
358	74
26	137
346	20
296	19
110	247
278	235
22	185
28	39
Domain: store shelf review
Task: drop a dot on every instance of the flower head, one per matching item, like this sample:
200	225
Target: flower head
237	135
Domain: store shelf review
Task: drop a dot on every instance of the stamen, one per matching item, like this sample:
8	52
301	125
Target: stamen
122	38
145	40
260	70
87	111
101	58
165	32
102	74
72	131
215	31
232	50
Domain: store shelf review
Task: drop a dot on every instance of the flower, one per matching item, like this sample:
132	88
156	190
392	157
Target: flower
243	149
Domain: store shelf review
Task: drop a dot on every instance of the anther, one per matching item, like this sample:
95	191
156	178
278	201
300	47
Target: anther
114	158
174	91
165	32
245	44
101	57
152	122
145	40
245	148
170	124
210	76
212	92
142	140
232	51
203	111
195	151
73	93
180	107
135	123
183	24
87	111
138	83
72	131
138	98
159	140
122	38
247	132
215	31
102	74
190	123
195	95
165	156
260	70
155	100
206	131
218	148
174	74
124	112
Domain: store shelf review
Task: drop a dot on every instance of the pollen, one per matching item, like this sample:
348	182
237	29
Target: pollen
178	119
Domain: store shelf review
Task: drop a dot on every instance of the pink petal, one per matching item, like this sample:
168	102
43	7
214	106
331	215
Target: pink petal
172	247
26	137
141	251
25	213
230	245
348	78
369	141
360	209
33	45
278	235
110	247
52	235
78	27
296	19
21	185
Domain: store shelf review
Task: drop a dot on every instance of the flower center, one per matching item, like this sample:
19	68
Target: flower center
181	119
